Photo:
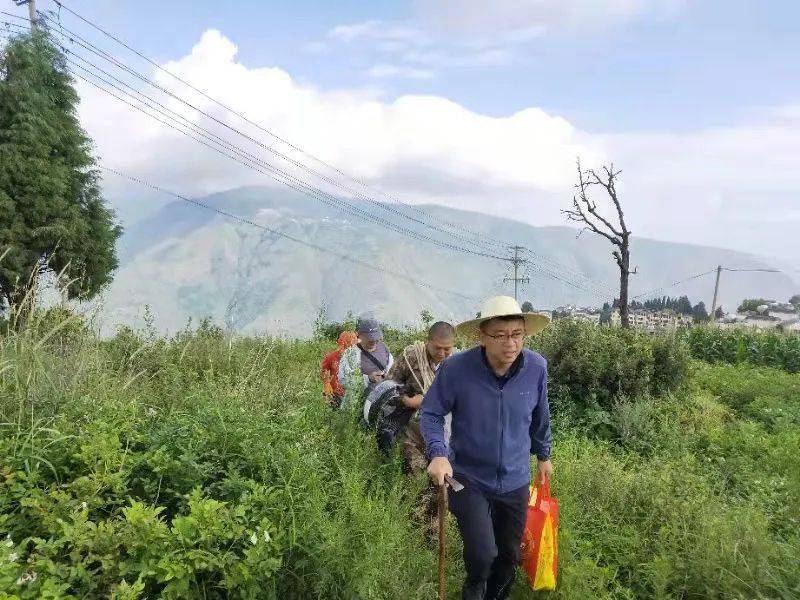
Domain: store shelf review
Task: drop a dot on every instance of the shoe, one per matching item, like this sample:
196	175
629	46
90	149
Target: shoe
474	591
495	592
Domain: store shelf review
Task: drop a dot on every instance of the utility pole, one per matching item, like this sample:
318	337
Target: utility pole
31	10
32	13
720	269
716	295
517	261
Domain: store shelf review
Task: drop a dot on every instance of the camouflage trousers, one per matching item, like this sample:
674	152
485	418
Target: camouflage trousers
416	463
414	449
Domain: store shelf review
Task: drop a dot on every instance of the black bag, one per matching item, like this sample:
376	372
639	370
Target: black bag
394	418
366	421
391	426
376	398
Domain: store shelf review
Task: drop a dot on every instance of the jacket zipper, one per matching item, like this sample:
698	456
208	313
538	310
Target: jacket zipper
502	433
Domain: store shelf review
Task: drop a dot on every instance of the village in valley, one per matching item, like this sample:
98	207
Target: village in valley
761	313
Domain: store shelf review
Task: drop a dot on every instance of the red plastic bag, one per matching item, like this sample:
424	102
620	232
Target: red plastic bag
539	548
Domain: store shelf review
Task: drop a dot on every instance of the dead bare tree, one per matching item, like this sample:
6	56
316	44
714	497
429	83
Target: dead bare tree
584	210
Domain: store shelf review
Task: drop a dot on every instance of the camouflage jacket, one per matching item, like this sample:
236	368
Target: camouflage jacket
410	374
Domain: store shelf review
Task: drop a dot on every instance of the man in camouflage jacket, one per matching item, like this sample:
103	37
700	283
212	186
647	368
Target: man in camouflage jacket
414	371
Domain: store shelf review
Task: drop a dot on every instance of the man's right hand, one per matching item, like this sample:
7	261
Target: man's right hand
438	468
376	377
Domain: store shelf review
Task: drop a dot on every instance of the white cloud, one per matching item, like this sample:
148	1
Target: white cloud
717	185
789	113
384	70
316	47
450	34
377	30
734	186
350	32
493	57
410	47
362	135
478	16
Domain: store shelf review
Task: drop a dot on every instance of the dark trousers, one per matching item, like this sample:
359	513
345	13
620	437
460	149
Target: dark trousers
491	526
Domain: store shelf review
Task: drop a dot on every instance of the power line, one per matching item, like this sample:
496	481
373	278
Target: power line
250	159
667	286
338	200
313	192
269	132
295	239
106	56
491	241
245	158
566	276
719	271
752	270
565	280
19	17
288	236
597	286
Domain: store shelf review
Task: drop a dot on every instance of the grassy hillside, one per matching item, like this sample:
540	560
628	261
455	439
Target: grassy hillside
207	467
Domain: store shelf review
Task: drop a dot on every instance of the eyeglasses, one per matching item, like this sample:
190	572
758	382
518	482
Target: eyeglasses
517	336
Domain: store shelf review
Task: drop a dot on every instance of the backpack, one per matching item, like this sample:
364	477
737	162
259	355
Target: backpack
394	418
376	399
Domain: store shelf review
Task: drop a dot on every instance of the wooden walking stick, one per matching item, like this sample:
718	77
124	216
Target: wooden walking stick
457	487
442	538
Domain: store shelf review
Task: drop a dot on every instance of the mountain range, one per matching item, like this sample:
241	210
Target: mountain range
185	261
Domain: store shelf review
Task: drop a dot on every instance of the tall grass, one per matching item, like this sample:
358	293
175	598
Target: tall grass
205	466
197	466
739	345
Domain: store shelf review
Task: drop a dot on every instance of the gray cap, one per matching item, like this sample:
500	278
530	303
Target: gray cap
369	330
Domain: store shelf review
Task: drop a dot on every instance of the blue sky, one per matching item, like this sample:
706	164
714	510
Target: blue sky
485	106
703	63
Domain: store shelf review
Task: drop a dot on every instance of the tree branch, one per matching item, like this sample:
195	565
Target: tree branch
618	257
579	216
584	210
609	187
609	183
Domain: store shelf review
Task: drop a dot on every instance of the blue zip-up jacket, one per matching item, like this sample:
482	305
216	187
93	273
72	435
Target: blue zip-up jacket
498	422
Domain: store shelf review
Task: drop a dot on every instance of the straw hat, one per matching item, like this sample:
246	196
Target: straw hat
504	306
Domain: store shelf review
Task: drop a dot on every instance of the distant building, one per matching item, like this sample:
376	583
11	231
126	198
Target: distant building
586	315
770	315
650	320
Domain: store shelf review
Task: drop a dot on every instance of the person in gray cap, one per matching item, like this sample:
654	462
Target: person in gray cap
365	364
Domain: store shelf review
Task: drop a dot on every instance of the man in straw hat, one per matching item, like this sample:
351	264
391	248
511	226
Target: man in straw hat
497	393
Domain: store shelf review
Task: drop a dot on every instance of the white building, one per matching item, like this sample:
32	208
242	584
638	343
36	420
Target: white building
587	315
770	315
653	320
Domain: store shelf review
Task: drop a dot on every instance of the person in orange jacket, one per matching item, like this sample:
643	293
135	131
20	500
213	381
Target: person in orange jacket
329	369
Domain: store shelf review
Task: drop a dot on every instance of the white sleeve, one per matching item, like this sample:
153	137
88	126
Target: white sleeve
346	366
